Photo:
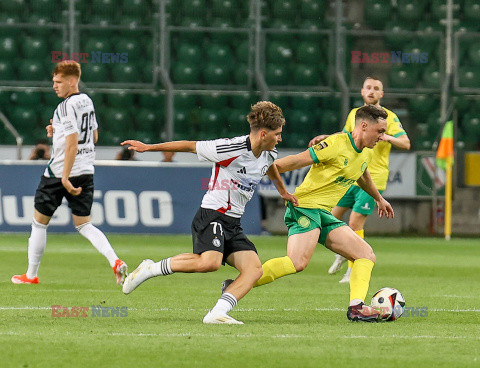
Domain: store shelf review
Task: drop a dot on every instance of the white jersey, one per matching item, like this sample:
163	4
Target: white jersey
74	115
235	174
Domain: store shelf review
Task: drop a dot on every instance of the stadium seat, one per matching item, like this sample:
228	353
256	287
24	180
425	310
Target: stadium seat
305	102
284	8
27	97
308	52
186	73
211	120
117	119
95	72
216	74
411	10
377	13
438	9
243	101
137	8
231	38
276	75
329	122
237	120
5	98
313	9
130	46
225	8
471	10
471	124
403	77
434	124
182	124
280	100
468	77
188	52
125	73
23	117
301	120
432	77
185	101
153	100
279	52
194	8
474	53
104	7
242	74
281	24
243	51
6	71
95	43
121	99
32	47
462	104
8	48
397	38
423	143
31	70
306	75
213	101
51	100
422	105
13	6
147	120
219	53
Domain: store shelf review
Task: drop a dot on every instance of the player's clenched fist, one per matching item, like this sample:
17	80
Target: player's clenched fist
135	145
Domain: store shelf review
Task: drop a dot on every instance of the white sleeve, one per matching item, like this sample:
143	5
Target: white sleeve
220	149
68	119
94	121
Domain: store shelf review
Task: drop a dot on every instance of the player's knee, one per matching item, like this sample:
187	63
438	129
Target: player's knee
300	264
371	256
257	272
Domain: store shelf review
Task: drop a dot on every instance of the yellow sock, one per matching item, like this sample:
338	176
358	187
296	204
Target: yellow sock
361	234
274	269
360	278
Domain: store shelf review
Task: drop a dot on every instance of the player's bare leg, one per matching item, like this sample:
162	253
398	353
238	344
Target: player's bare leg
186	262
357	223
337	264
36	247
344	241
300	248
98	239
250	267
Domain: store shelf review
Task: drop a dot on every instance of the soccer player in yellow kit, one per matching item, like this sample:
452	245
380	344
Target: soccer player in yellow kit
361	203
337	163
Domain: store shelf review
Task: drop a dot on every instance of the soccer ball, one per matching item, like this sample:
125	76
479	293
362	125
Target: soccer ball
391	303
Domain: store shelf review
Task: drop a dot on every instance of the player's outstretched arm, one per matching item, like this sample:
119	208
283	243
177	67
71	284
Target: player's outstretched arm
294	162
384	208
401	142
177	146
276	179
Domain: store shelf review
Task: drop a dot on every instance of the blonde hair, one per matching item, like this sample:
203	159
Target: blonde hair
265	115
68	68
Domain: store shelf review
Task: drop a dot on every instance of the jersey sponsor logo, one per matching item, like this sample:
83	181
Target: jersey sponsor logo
304	222
322	145
344	182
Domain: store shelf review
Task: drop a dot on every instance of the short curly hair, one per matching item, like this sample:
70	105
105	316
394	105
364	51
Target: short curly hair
265	115
68	68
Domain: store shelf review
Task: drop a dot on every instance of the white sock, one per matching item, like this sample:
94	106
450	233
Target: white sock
348	272
225	304
36	246
98	240
340	257
161	268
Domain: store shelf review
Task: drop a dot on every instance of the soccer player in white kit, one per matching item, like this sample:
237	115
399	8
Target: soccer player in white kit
69	173
218	238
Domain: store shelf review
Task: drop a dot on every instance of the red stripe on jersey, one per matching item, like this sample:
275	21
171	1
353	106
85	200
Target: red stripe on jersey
223	163
229	207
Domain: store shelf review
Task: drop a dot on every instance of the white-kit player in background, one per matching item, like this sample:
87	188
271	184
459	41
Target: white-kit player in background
218	238
69	173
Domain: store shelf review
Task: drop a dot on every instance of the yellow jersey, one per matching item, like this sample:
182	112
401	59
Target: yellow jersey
378	168
338	163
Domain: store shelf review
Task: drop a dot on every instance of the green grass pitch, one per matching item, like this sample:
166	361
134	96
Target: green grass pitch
298	321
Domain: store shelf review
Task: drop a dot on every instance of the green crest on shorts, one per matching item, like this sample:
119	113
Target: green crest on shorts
304	222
